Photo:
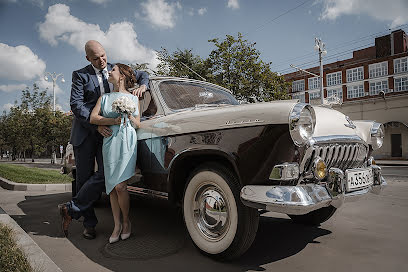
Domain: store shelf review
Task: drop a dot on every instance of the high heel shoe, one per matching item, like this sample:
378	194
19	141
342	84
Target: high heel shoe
115	239
124	236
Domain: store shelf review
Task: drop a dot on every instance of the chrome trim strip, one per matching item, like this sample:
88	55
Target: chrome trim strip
339	139
147	192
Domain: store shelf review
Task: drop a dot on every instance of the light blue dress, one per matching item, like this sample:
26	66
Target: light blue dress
119	150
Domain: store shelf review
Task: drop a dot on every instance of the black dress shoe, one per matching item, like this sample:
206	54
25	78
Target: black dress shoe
89	233
65	218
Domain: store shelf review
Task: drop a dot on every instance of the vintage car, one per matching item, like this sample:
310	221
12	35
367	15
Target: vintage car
223	162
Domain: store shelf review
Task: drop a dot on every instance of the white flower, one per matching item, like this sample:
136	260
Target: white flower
124	105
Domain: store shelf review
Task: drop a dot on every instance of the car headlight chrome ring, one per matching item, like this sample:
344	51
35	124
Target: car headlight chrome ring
302	122
377	135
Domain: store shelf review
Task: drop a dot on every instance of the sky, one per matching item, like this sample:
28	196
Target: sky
46	36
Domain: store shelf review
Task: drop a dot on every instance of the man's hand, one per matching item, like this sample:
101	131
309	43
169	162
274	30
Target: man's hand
139	91
105	131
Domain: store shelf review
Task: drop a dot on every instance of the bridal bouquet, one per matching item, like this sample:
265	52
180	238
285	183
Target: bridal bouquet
124	106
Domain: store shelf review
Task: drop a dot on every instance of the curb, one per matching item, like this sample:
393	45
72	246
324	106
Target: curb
37	258
14	186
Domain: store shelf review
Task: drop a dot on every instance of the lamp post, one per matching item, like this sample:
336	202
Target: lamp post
54	76
320	46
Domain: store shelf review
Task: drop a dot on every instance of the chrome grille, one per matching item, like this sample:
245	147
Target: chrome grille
342	156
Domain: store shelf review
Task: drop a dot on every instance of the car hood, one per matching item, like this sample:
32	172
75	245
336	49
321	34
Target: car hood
206	119
328	121
332	122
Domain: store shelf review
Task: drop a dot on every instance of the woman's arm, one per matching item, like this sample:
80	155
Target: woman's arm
98	119
135	120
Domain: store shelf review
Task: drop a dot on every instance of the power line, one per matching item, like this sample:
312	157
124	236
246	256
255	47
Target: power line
277	17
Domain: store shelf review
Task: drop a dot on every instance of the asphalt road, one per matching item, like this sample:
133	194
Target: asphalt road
368	235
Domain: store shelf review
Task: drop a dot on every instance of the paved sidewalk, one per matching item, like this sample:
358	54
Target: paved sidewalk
392	162
38	260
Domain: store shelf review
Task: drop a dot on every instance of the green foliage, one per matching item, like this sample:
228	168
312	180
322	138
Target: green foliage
235	64
12	257
32	127
182	63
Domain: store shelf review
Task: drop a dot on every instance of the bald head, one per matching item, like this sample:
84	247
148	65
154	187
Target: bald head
95	54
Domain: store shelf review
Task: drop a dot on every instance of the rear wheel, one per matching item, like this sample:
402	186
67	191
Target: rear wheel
314	218
217	221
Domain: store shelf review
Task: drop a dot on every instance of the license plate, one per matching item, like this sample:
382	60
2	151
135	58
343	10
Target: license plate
359	178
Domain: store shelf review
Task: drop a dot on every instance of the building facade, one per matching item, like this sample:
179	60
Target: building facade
372	85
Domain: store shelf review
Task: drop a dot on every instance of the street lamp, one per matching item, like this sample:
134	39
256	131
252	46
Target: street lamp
54	76
321	47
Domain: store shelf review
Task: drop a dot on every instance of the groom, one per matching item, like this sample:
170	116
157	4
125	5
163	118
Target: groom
88	84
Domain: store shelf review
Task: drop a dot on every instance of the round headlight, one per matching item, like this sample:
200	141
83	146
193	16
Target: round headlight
302	122
377	135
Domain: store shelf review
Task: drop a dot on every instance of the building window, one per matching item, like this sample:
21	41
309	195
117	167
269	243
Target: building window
332	94
400	65
378	69
334	79
378	86
401	84
355	74
300	96
314	95
314	83
298	85
355	91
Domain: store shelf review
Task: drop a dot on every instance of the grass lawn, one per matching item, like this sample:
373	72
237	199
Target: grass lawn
12	257
23	174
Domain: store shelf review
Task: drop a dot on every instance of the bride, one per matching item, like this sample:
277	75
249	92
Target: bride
119	150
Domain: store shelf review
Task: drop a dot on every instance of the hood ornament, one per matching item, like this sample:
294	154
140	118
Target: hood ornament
350	123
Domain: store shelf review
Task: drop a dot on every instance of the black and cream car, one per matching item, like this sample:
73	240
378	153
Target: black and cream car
223	161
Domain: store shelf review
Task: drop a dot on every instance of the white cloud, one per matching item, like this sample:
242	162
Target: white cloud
19	63
190	11
7	106
233	4
202	11
12	87
120	40
394	11
160	13
101	2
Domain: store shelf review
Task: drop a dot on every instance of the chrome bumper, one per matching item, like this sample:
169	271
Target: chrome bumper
304	198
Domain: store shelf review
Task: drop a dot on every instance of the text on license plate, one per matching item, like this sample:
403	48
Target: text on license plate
359	178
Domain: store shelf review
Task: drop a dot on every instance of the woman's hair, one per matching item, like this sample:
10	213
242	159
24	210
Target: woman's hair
130	78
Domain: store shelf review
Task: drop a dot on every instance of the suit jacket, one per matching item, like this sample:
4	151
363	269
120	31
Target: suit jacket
85	92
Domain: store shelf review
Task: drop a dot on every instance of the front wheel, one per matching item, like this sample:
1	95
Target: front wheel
217	221
314	218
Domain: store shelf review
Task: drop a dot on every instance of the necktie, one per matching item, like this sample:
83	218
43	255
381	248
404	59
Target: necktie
105	82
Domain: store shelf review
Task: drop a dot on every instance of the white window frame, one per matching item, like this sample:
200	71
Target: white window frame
351	91
298	85
313	95
313	83
300	95
355	74
378	69
375	87
337	91
403	85
334	79
400	65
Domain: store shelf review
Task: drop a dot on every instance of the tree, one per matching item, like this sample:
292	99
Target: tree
183	63
236	65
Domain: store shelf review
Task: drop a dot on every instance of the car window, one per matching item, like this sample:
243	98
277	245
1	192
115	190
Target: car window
180	95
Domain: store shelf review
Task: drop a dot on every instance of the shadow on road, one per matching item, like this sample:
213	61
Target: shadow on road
158	233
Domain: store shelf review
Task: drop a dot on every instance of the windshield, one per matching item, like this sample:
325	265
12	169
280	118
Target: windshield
181	95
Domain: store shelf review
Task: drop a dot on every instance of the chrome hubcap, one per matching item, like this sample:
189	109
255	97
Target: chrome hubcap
211	212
